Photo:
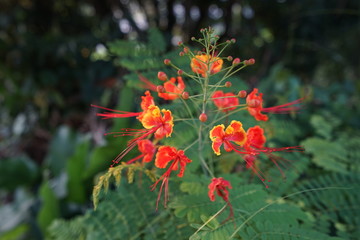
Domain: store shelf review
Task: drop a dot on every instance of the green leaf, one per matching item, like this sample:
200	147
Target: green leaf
61	148
326	154
75	167
49	207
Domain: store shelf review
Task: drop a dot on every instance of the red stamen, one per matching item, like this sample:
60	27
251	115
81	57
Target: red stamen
120	114
284	108
136	158
148	84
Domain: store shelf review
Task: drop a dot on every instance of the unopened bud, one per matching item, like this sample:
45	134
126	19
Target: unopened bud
181	54
180	72
236	61
233	40
228	84
254	103
203	117
167	61
180	43
162	76
186	50
229	58
160	89
193	38
242	93
185	95
202	30
228	41
251	61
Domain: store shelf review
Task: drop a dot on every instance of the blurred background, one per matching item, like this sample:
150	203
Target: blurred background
55	60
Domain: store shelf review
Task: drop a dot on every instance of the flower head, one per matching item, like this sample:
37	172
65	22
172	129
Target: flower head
173	90
219	185
161	123
255	106
255	138
201	64
225	101
234	133
255	102
147	149
177	159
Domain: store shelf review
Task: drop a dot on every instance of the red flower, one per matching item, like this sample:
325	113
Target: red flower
255	102
255	138
164	156
234	133
255	106
219	186
225	102
202	63
255	145
147	100
147	148
173	90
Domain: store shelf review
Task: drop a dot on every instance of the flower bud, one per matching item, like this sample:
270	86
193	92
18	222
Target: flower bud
233	40
228	84
202	30
229	58
242	93
254	103
180	43
181	54
203	117
162	76
251	61
180	72
193	38
236	61
167	61
185	95
160	89
186	50
228	41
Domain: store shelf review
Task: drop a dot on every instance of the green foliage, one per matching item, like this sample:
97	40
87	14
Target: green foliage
50	208
257	215
75	184
22	167
337	208
128	213
333	150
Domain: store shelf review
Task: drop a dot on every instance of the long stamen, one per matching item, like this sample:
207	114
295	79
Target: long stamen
136	158
284	108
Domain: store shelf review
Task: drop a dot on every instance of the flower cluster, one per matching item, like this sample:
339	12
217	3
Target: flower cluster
209	106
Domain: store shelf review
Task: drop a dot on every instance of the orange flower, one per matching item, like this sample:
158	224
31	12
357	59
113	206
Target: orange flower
164	156
147	148
234	133
255	106
160	124
201	64
225	102
172	89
